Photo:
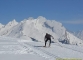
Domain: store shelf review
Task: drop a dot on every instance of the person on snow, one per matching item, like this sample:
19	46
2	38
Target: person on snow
48	37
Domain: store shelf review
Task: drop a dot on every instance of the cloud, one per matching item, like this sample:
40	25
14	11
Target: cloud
74	22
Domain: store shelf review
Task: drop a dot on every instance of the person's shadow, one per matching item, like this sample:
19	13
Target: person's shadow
33	39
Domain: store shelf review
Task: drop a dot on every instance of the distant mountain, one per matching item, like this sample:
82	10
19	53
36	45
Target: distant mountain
37	28
1	26
6	28
79	34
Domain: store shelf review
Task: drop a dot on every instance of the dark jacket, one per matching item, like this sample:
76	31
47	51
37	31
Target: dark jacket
48	36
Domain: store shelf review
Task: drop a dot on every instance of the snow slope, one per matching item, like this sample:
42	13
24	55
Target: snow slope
1	26
79	34
8	27
14	49
36	30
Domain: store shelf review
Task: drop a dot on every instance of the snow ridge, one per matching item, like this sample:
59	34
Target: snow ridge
79	34
37	28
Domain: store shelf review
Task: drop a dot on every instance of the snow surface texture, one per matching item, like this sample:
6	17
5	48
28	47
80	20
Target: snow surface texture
36	29
18	49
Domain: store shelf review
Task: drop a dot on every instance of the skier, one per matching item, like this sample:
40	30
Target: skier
48	37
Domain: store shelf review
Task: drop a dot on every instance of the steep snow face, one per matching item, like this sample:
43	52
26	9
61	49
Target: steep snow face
36	30
8	27
12	23
74	40
1	26
55	27
79	34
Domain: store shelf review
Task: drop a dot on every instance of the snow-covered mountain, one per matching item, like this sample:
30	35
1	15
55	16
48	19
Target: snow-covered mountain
36	29
6	28
1	26
79	34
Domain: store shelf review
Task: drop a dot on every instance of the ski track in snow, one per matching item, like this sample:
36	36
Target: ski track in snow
15	46
12	46
46	54
41	52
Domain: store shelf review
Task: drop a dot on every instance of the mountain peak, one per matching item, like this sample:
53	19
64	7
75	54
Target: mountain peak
13	22
41	17
37	28
1	25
